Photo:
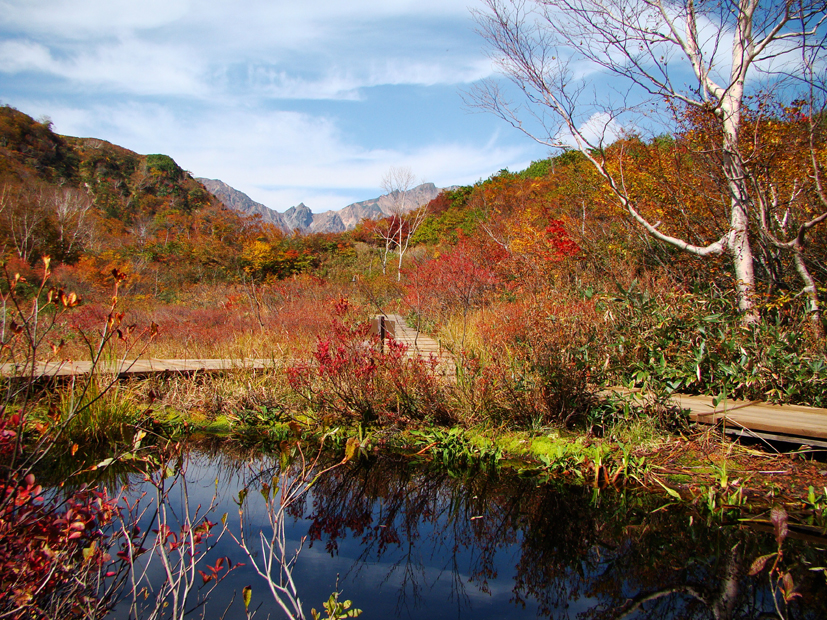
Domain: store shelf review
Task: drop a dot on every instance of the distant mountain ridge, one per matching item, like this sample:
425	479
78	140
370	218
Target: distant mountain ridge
302	218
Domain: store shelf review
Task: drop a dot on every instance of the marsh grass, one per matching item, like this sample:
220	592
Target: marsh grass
98	413
229	398
638	432
275	320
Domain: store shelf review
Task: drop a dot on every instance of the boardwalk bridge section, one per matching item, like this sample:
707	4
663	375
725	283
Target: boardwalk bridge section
791	423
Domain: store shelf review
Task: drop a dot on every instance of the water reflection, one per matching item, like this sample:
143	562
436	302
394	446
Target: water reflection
409	541
573	555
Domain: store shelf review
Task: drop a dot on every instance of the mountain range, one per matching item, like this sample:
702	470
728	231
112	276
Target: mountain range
303	219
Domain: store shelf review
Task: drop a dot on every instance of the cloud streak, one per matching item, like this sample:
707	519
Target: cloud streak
126	66
282	158
284	101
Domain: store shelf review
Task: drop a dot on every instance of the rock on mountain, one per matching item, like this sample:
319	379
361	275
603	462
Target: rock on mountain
377	208
329	221
302	218
241	202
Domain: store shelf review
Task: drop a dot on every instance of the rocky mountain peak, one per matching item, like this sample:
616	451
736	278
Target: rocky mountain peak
302	218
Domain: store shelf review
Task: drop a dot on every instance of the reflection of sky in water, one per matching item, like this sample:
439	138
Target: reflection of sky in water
556	550
405	582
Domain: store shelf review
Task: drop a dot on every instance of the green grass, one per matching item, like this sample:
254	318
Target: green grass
99	415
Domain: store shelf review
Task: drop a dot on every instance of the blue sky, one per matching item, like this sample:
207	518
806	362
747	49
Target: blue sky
286	101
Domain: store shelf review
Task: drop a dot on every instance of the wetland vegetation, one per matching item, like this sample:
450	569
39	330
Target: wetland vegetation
500	480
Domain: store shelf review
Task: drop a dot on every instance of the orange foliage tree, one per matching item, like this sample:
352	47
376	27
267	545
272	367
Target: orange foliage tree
651	47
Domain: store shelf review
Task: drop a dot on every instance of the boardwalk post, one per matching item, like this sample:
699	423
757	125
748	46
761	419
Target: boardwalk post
382	334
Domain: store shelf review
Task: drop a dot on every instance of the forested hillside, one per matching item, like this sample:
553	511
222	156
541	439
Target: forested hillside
94	206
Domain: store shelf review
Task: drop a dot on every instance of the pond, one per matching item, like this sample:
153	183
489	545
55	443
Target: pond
407	540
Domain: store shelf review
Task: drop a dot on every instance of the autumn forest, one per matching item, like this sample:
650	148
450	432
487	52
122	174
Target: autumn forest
542	292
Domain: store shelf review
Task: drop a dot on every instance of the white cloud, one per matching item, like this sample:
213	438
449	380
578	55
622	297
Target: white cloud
280	158
134	67
127	66
346	84
405	71
599	128
21	55
278	50
258	22
279	84
77	19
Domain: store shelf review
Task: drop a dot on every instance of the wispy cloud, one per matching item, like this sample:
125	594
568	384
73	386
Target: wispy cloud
282	158
125	66
283	49
82	19
22	55
287	101
347	84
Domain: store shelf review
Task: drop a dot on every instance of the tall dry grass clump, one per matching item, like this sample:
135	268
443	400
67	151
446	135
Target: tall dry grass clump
530	364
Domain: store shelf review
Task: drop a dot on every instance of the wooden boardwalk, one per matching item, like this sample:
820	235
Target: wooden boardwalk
792	423
417	342
420	344
145	366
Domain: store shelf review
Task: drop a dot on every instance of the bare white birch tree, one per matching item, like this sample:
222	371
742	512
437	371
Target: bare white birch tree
386	232
72	220
787	212
405	217
24	213
50	220
694	53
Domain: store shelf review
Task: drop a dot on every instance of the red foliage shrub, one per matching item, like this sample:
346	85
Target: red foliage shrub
458	279
355	377
345	379
47	552
14	264
50	551
558	242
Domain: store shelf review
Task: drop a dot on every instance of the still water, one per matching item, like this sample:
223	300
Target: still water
413	541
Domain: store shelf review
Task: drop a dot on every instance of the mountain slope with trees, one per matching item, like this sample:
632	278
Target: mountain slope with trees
93	206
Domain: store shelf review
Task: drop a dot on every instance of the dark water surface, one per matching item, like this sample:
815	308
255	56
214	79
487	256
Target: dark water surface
417	542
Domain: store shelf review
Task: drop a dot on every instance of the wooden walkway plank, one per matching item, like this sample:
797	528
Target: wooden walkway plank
70	368
794	423
790	423
421	344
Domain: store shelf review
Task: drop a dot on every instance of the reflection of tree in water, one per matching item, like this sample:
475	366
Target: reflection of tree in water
577	558
663	568
422	514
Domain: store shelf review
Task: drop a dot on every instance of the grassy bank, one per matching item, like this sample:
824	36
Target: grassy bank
680	463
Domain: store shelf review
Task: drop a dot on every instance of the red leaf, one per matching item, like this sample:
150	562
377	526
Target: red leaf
759	564
778	516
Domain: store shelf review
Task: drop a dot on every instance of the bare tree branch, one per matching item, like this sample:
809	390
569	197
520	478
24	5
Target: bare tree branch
551	50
